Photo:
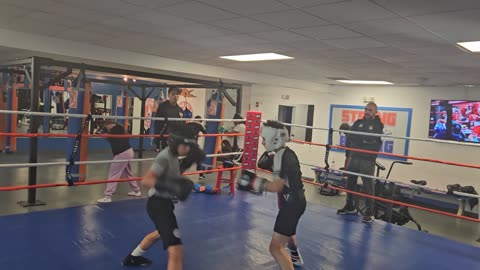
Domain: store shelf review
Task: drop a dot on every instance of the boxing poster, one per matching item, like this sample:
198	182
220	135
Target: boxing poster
119	101
150	109
212	108
73	94
396	121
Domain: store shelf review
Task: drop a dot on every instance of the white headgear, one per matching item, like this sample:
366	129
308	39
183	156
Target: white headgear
274	138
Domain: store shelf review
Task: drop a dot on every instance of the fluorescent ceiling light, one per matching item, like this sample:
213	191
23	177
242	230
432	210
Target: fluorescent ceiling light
363	82
473	46
257	57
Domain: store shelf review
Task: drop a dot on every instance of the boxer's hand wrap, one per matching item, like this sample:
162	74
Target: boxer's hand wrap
251	182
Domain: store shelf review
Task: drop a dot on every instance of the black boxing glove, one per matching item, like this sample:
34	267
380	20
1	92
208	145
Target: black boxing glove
196	155
228	163
102	130
265	162
249	181
179	187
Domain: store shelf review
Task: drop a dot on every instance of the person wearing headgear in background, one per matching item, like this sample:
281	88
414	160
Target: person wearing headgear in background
169	109
121	150
287	183
165	183
197	127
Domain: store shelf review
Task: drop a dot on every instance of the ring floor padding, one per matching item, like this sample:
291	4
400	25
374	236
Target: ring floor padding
219	232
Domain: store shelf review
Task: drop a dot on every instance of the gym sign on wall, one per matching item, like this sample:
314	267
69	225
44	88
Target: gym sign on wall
396	122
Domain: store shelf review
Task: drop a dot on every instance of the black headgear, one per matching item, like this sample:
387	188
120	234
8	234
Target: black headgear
180	135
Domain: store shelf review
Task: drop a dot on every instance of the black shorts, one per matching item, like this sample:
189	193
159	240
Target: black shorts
288	216
161	213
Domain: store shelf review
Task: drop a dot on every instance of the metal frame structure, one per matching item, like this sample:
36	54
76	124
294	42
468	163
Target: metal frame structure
32	68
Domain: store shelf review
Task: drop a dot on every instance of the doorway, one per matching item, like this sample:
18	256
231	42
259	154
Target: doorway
285	114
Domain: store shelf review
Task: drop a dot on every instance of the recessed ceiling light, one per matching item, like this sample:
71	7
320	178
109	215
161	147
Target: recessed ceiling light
257	57
363	82
473	46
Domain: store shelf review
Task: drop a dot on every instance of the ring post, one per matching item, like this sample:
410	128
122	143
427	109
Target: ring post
252	136
34	125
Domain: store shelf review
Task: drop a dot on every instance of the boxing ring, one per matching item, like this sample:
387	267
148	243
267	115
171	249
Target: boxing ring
219	232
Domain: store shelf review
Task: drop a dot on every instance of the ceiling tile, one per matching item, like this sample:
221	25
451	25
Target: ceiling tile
248	7
162	19
289	19
61	21
84	36
436	51
154	3
255	48
81	14
281	36
406	41
351	11
414	7
354	43
454	26
383	52
113	7
374	28
327	32
31	26
124	24
401	58
198	12
308	44
28	4
327	53
244	25
228	41
464	60
307	3
194	31
9	13
108	30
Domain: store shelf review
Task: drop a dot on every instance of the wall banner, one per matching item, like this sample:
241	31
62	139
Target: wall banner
396	122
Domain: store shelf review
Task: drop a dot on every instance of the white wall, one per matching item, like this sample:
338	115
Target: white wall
418	98
270	97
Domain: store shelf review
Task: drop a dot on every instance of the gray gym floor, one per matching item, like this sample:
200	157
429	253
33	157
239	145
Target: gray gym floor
62	197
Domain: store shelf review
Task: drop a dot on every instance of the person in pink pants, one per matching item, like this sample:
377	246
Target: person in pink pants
121	150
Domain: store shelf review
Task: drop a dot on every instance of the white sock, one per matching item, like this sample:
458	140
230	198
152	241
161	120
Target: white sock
138	251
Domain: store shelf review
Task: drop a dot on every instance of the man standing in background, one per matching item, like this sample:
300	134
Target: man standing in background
363	163
170	109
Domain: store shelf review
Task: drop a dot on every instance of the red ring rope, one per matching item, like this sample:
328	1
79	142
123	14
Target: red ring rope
105	135
395	155
103	181
386	200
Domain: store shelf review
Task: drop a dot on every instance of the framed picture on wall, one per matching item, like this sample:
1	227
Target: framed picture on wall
396	121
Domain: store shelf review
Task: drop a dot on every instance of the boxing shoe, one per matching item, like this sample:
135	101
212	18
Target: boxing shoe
136	261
